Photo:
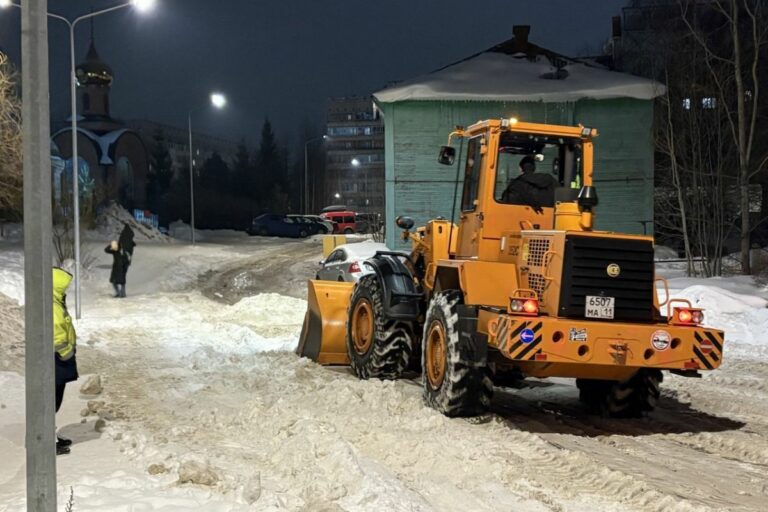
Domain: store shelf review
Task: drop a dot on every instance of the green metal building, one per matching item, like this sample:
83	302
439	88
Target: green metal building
519	79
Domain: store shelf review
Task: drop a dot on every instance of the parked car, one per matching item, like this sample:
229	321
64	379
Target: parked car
347	262
270	224
324	226
346	221
369	222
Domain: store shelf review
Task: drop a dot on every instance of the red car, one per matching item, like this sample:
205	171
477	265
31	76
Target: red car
345	221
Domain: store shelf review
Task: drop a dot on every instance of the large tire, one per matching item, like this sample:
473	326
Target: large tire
633	398
452	385
349	231
378	347
263	231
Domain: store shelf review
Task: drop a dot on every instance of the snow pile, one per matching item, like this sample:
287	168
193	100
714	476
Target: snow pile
269	315
257	324
12	274
662	252
110	223
11	336
180	230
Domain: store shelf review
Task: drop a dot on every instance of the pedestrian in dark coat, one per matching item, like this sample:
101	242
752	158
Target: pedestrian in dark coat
64	345
122	254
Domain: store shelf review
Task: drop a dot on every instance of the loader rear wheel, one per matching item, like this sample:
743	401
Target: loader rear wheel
378	347
452	384
632	398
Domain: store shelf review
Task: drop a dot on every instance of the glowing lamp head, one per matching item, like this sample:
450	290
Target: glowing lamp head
529	307
688	316
142	5
5	4
355	162
218	100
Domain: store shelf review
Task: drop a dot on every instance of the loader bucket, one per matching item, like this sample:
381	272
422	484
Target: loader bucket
324	334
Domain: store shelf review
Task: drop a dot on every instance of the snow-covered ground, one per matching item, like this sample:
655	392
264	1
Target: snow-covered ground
207	408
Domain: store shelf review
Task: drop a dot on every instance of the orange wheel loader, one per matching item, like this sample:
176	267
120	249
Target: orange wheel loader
520	286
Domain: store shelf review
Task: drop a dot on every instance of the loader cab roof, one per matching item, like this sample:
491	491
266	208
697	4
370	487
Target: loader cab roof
514	125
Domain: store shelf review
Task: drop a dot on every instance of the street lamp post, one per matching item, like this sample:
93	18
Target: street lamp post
141	5
219	101
306	172
356	163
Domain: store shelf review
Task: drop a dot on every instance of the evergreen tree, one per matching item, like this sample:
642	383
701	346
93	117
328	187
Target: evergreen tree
160	170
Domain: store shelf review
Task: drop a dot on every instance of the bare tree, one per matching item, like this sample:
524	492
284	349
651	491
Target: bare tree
10	140
734	52
694	157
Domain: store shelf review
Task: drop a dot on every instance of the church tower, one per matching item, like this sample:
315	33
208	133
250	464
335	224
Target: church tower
94	80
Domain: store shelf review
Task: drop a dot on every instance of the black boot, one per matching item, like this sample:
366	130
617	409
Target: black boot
63	441
62	450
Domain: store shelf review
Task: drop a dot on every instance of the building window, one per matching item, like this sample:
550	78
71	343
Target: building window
709	103
86	102
687	103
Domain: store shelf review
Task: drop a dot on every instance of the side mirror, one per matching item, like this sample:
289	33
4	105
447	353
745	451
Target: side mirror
404	222
447	155
322	262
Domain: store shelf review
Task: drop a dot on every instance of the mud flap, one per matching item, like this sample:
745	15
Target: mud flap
324	333
473	345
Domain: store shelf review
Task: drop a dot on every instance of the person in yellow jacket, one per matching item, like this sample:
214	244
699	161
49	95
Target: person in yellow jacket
64	344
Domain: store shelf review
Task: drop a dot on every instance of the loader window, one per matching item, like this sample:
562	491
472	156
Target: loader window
472	174
529	169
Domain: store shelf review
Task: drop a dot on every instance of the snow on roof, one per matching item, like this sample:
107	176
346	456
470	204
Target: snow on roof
498	76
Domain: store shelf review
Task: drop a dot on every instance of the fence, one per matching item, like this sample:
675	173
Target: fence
147	218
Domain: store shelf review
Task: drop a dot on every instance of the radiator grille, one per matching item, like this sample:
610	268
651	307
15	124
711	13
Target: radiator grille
586	261
537	248
536	282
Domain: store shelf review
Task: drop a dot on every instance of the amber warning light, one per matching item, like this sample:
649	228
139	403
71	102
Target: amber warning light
687	316
528	307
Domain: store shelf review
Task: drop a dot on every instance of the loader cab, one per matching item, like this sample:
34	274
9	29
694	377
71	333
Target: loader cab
499	195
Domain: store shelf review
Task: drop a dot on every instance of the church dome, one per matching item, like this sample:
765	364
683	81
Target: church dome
93	71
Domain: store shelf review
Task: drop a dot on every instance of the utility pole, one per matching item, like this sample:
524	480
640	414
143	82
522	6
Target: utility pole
39	376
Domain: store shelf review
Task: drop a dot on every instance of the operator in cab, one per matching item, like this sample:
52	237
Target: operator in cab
529	188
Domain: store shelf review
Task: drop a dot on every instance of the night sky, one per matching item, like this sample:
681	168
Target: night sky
283	58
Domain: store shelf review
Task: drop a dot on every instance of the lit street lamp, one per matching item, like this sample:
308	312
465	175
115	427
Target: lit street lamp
141	6
218	101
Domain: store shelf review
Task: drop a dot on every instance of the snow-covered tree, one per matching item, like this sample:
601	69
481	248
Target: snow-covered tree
10	141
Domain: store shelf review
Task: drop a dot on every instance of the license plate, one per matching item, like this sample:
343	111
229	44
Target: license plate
599	307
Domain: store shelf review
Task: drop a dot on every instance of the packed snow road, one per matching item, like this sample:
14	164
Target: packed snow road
205	386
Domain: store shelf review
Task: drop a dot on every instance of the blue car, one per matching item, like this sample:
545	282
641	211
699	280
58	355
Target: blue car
269	224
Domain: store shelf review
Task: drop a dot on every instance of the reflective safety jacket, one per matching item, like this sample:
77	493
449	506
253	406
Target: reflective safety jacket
64	337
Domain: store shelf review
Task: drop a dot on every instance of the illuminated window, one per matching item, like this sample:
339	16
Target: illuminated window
709	102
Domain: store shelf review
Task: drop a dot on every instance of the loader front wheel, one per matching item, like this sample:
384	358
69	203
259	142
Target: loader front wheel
631	398
378	347
452	384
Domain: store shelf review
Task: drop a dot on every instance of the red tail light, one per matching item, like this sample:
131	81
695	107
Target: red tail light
528	307
354	268
687	316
